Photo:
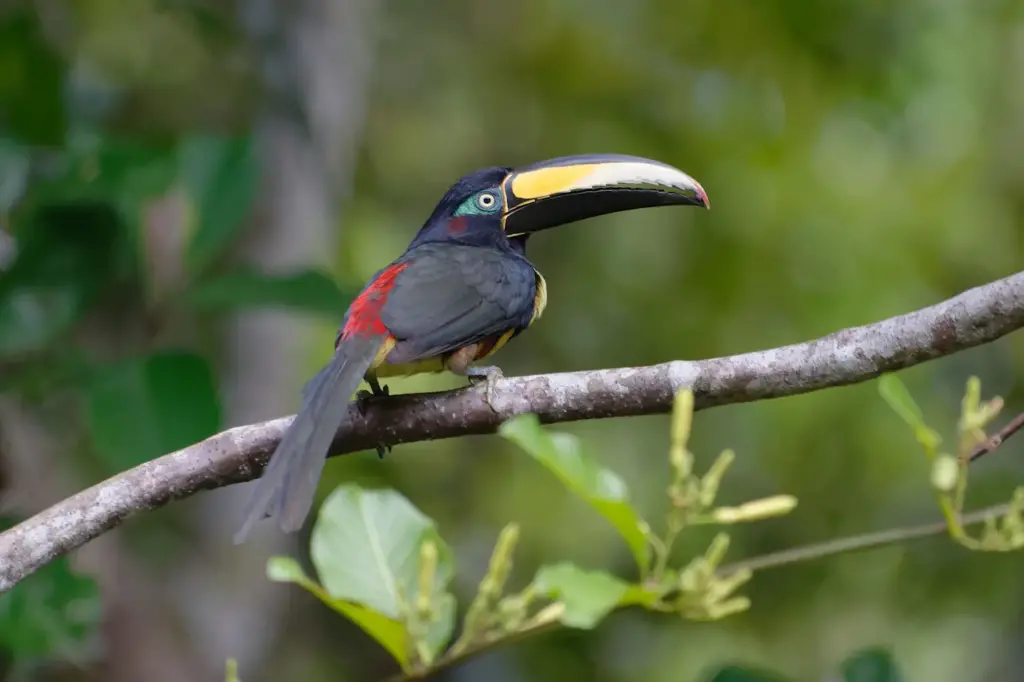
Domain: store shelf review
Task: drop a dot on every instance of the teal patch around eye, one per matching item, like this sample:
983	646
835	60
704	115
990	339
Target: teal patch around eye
477	206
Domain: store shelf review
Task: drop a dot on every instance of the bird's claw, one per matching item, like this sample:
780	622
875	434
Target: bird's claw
488	376
364	397
363	400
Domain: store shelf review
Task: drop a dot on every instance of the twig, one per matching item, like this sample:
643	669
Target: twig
999	438
975	317
479	649
858	543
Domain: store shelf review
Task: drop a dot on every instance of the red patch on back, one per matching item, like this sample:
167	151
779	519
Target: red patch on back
364	313
458	225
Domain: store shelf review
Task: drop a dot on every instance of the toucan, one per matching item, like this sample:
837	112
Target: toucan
461	290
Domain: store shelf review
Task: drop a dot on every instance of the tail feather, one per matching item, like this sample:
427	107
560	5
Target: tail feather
289	481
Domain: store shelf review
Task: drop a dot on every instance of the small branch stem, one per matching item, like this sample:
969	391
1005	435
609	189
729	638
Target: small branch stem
858	543
993	443
545	621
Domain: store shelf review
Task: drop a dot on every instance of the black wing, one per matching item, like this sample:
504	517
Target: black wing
450	296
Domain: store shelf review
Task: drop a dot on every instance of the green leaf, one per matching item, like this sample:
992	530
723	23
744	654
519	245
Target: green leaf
51	612
31	81
439	632
231	671
366	549
15	165
123	174
737	673
31	316
644	595
145	407
389	632
130	169
64	259
600	487
895	393
220	175
307	290
875	664
588	596
120	171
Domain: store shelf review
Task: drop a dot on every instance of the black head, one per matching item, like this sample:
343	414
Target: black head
471	211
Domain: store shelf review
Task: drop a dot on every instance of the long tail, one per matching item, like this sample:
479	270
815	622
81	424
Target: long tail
289	481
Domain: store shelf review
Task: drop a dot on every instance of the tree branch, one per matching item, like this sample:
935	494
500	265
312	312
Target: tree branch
853	355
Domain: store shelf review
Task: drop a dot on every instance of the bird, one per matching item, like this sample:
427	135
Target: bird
462	289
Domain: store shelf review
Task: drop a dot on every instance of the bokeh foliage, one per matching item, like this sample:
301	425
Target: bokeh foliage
862	159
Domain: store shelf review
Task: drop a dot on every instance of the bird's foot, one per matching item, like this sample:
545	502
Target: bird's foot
363	400
487	375
364	397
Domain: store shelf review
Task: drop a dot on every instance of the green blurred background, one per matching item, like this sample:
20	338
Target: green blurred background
182	183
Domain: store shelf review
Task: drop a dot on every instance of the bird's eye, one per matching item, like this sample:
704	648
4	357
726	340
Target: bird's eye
486	200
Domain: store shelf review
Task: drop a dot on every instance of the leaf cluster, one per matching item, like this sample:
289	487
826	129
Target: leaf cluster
1000	533
383	564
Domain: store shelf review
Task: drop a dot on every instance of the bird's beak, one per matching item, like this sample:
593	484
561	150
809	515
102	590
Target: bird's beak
570	188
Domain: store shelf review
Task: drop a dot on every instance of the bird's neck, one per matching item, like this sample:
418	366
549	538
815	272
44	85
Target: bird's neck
468	231
518	244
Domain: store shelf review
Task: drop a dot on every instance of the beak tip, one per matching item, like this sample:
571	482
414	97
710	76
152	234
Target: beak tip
703	196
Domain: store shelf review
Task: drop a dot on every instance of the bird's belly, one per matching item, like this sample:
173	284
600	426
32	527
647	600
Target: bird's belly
404	369
385	368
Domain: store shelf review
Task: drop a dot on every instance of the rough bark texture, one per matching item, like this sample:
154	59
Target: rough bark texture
849	356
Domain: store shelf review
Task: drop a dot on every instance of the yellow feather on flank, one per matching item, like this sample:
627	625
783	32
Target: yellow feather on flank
382	354
502	340
540	301
427	366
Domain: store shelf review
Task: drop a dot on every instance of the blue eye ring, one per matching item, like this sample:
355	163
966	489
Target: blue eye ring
486	201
